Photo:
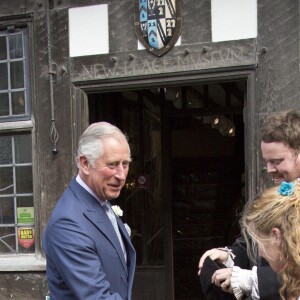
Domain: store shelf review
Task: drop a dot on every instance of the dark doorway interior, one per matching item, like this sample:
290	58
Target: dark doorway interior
187	147
207	192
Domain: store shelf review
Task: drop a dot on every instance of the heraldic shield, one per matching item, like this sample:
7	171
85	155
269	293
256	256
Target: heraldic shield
158	24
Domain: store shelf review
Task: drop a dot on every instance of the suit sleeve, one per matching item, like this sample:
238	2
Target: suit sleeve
72	253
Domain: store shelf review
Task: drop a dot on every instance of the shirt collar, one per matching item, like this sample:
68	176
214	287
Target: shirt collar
85	186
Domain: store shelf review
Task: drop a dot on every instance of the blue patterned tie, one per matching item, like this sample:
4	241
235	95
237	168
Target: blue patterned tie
112	217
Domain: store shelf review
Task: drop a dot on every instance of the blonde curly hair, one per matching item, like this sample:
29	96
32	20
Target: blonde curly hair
278	208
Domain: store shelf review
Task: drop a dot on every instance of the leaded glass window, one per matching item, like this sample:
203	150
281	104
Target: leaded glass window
16	179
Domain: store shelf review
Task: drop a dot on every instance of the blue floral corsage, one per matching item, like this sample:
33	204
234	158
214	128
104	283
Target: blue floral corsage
286	188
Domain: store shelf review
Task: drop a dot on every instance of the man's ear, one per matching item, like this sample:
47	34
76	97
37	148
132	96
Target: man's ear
277	235
84	164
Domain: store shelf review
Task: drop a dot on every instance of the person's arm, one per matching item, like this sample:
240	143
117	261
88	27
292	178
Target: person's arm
239	249
214	254
267	283
244	282
239	258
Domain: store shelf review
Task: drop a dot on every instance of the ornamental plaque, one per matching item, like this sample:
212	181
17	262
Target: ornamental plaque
157	24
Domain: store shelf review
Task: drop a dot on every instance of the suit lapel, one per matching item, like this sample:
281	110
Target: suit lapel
101	220
124	232
97	215
131	256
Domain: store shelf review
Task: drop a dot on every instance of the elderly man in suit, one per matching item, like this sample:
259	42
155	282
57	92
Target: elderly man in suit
88	249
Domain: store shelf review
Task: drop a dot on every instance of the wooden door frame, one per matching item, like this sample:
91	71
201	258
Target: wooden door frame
80	108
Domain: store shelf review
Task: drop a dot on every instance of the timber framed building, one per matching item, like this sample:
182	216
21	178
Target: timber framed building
192	115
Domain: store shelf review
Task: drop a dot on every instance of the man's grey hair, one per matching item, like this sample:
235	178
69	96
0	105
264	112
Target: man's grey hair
90	142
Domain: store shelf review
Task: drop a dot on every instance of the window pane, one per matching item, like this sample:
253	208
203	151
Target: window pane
25	201
7	212
6	180
15	46
24	179
4	104
3	49
5	151
23	149
17	74
3	76
18	103
7	240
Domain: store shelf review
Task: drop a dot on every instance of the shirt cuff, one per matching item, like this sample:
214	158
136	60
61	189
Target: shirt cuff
241	282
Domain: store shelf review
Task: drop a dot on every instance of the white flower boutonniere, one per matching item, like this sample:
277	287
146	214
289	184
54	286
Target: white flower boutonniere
117	210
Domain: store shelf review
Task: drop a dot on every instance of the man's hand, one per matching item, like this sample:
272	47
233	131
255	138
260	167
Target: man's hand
222	278
214	254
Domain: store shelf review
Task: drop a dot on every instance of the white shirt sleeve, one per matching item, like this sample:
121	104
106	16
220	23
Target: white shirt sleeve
244	282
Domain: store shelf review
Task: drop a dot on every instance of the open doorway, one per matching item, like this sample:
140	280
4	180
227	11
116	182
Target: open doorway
207	175
186	182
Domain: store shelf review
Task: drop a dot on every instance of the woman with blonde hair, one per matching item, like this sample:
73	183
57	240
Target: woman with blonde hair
272	223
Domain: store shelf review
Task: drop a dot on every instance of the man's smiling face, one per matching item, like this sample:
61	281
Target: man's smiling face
282	163
108	176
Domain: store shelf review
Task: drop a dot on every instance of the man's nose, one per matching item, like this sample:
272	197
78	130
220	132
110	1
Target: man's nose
271	168
121	172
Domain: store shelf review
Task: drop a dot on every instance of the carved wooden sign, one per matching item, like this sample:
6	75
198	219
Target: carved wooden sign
158	24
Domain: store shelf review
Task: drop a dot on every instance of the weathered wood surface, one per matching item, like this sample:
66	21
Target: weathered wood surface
24	285
277	74
195	53
217	55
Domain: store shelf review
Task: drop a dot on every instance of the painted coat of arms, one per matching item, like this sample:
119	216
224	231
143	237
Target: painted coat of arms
158	24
